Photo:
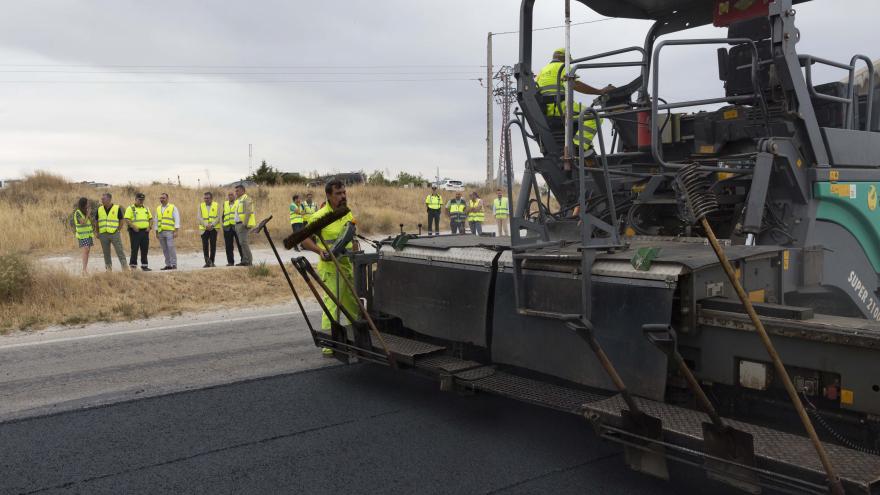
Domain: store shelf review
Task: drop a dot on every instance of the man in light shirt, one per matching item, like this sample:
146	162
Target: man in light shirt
244	222
167	225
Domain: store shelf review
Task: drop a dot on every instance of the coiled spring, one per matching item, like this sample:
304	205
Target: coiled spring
700	200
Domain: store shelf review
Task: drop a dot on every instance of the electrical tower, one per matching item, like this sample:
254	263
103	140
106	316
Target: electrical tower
505	95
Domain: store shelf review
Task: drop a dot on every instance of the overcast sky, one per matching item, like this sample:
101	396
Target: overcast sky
124	90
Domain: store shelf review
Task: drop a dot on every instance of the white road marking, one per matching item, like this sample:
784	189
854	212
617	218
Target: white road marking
142	330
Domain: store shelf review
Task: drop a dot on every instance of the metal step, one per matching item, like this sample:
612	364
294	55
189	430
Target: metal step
776	452
405	350
472	375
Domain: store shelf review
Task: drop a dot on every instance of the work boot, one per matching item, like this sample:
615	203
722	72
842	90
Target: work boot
146	268
166	267
206	265
132	267
230	264
327	352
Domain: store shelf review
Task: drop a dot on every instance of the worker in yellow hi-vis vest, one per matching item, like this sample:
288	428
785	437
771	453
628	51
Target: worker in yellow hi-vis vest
209	223
85	232
110	218
332	278
140	221
230	238
434	205
167	225
501	210
476	214
551	82
245	220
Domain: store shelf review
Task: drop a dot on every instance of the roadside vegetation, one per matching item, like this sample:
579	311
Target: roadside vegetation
38	210
47	297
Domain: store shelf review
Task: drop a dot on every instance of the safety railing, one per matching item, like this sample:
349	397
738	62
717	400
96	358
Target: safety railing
656	149
851	100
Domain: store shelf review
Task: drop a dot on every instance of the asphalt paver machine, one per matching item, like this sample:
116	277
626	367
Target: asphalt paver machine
703	289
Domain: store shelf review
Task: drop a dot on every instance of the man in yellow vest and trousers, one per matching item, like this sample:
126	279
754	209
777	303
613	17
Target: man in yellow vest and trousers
167	225
336	198
209	222
245	220
297	216
551	82
309	208
140	221
476	214
501	210
434	204
229	235
455	208
109	218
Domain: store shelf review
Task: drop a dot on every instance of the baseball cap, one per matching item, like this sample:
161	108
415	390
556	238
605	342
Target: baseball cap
139	196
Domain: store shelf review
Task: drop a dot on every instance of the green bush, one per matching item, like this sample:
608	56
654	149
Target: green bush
16	277
260	270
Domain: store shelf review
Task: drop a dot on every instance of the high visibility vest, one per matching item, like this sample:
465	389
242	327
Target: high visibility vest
309	210
139	216
228	213
501	208
456	210
83	225
478	215
209	215
551	79
330	233
434	201
108	221
547	85
296	215
166	218
239	206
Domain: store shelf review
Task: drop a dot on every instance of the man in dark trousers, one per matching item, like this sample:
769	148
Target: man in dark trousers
140	221
229	235
209	222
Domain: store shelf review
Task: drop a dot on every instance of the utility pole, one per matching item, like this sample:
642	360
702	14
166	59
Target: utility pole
489	111
250	159
505	95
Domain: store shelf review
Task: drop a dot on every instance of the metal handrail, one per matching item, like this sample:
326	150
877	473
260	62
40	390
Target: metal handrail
850	113
851	99
656	152
604	65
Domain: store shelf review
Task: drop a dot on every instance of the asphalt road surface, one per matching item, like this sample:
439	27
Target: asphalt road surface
241	402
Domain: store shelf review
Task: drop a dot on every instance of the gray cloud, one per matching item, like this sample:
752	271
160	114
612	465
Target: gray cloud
141	127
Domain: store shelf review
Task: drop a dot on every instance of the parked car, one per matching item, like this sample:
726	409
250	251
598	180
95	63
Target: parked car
450	185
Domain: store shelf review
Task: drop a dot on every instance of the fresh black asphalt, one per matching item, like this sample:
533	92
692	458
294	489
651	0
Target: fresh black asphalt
343	429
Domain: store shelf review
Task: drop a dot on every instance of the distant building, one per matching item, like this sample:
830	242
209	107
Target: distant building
8	182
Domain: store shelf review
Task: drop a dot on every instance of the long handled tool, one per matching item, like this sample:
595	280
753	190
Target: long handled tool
721	440
363	310
701	202
309	275
262	226
314	229
649	459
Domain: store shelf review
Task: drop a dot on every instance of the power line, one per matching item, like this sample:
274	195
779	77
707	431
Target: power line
186	66
244	81
594	21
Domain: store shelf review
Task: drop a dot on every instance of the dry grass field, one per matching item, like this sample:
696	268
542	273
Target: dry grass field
38	209
55	297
